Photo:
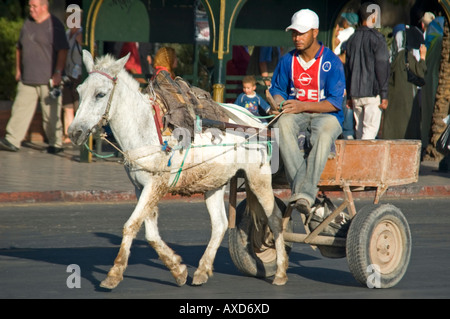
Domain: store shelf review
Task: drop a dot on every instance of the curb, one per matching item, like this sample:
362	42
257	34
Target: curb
397	192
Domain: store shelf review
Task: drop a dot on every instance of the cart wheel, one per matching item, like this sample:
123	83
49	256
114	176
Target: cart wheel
378	246
252	248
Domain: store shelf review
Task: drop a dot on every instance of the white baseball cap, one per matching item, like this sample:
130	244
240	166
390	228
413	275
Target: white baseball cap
427	18
303	21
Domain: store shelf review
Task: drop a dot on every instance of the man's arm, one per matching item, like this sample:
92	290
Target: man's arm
295	106
265	56
280	85
382	71
18	58
60	63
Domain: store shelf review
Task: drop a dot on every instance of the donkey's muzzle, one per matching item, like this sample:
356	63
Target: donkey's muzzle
78	135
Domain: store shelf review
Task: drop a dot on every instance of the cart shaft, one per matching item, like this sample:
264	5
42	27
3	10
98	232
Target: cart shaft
318	240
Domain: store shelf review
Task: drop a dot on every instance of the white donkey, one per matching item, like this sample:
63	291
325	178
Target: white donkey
111	95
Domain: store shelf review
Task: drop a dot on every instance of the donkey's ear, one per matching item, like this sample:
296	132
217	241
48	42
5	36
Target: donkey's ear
88	60
120	64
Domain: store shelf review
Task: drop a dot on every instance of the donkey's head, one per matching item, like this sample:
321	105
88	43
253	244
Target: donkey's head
96	95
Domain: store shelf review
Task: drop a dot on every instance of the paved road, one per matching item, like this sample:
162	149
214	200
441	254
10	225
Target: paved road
38	242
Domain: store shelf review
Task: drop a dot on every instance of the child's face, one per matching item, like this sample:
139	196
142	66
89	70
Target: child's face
248	88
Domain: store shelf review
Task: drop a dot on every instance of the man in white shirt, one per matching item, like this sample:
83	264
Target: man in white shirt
349	21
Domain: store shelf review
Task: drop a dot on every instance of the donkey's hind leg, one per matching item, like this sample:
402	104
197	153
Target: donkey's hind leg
219	223
259	189
167	255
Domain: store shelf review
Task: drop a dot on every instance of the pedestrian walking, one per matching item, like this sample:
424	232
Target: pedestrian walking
401	120
367	74
73	70
40	60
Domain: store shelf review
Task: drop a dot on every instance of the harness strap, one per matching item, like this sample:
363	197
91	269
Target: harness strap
158	122
112	78
104	120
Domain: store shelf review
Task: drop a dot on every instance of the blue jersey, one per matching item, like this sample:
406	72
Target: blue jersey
324	80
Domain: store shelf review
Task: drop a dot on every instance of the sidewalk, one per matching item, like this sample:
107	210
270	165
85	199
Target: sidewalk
31	176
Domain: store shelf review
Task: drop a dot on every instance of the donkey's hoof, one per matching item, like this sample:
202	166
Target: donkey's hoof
200	278
110	282
280	281
181	277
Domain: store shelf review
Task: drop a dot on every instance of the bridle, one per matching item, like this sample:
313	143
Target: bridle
104	120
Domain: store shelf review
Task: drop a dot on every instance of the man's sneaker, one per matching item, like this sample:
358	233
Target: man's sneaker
54	150
7	146
303	206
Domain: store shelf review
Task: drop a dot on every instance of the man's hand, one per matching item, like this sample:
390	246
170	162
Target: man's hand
349	104
275	102
423	52
56	78
274	112
296	106
384	104
293	106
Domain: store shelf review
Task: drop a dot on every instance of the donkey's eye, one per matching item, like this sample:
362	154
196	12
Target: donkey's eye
100	95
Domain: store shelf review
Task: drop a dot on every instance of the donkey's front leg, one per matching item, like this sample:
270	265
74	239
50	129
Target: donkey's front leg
147	201
219	223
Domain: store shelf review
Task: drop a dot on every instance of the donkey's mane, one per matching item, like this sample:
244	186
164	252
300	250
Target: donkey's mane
107	64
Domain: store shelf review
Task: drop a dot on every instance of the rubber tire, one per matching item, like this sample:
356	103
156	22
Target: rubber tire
242	250
378	235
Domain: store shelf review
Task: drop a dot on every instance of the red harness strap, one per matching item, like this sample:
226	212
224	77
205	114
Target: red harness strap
159	69
158	121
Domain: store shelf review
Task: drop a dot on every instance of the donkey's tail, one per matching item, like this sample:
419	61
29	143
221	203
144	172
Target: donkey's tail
255	209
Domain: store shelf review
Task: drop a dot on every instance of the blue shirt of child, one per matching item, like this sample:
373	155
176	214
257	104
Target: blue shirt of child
254	104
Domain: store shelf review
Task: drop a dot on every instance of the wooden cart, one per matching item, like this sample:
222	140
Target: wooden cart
376	240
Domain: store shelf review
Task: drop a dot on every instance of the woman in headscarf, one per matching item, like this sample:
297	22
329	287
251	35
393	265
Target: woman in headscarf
401	120
165	59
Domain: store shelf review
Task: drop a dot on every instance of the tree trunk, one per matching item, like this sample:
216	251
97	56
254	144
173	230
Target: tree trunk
441	109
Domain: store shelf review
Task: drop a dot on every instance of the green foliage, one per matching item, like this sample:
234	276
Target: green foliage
9	34
12	9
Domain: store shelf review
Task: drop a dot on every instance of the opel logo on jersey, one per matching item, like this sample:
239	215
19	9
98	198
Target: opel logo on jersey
305	79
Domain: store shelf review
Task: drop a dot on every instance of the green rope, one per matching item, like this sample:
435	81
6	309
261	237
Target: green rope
97	155
177	176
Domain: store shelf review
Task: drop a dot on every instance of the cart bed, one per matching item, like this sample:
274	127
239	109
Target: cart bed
373	163
368	163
